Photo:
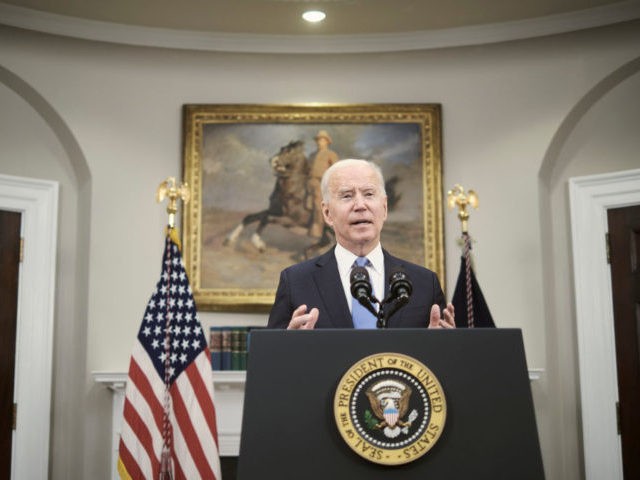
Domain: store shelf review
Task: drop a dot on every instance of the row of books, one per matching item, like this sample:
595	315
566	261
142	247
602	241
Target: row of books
228	347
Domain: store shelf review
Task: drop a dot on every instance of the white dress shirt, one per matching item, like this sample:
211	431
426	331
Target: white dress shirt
346	259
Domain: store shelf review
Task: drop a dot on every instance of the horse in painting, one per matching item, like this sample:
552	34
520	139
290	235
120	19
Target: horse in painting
288	203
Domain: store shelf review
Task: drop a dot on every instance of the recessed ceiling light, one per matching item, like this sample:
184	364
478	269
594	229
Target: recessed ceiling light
314	16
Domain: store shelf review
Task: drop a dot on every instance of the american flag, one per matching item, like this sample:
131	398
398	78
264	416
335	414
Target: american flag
168	403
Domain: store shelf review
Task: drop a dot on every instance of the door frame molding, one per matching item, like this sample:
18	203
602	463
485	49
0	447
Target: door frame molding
37	201
590	198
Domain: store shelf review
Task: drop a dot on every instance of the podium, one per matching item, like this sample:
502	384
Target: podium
289	428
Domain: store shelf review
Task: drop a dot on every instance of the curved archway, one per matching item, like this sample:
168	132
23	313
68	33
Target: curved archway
53	119
47	364
550	162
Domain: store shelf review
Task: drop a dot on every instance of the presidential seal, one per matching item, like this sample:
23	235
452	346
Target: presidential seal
390	408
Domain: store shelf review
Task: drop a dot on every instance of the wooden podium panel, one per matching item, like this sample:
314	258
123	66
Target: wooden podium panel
289	428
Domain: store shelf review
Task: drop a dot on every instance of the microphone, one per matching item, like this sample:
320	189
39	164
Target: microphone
400	287
360	285
361	289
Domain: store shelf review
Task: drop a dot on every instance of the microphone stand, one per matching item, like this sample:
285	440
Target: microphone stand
399	293
383	315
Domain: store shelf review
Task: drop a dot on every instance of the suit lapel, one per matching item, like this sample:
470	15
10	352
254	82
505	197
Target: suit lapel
391	263
331	292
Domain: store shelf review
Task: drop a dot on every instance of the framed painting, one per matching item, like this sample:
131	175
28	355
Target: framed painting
250	171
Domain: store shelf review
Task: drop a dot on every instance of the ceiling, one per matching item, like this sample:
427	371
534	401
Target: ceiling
282	18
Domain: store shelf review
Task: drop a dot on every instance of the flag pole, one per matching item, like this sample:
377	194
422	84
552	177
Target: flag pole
456	197
170	190
169	420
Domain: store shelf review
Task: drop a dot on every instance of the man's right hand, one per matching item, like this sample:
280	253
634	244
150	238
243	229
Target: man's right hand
301	320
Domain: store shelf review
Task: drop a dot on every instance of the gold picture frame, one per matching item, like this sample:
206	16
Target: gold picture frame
228	166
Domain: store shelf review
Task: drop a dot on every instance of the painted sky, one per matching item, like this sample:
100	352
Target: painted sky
235	158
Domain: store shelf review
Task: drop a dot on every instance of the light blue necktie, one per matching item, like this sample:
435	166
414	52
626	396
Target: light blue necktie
362	318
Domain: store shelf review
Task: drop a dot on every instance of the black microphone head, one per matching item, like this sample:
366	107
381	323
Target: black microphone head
400	286
360	284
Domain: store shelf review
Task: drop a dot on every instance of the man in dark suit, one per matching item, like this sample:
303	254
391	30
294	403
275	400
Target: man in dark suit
316	293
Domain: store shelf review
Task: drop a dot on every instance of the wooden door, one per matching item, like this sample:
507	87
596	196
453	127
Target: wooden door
9	267
624	251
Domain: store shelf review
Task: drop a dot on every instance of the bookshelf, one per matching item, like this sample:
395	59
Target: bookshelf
228	347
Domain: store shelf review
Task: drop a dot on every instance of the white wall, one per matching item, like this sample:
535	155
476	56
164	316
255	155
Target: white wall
105	121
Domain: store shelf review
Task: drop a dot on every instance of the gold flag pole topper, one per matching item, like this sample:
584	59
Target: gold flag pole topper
457	197
169	189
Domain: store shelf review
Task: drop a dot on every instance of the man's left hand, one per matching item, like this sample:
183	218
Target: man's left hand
446	320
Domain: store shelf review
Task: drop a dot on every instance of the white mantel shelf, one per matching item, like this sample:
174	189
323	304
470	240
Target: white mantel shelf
228	388
535	373
221	379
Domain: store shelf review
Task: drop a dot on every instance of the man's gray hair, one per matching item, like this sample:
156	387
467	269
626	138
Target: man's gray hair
326	177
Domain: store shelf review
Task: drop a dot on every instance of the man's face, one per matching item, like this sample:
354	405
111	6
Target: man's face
357	208
322	143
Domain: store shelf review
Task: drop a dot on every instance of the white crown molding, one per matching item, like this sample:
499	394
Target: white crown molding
250	43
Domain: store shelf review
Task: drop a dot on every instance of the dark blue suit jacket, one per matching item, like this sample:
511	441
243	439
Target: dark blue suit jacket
316	283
